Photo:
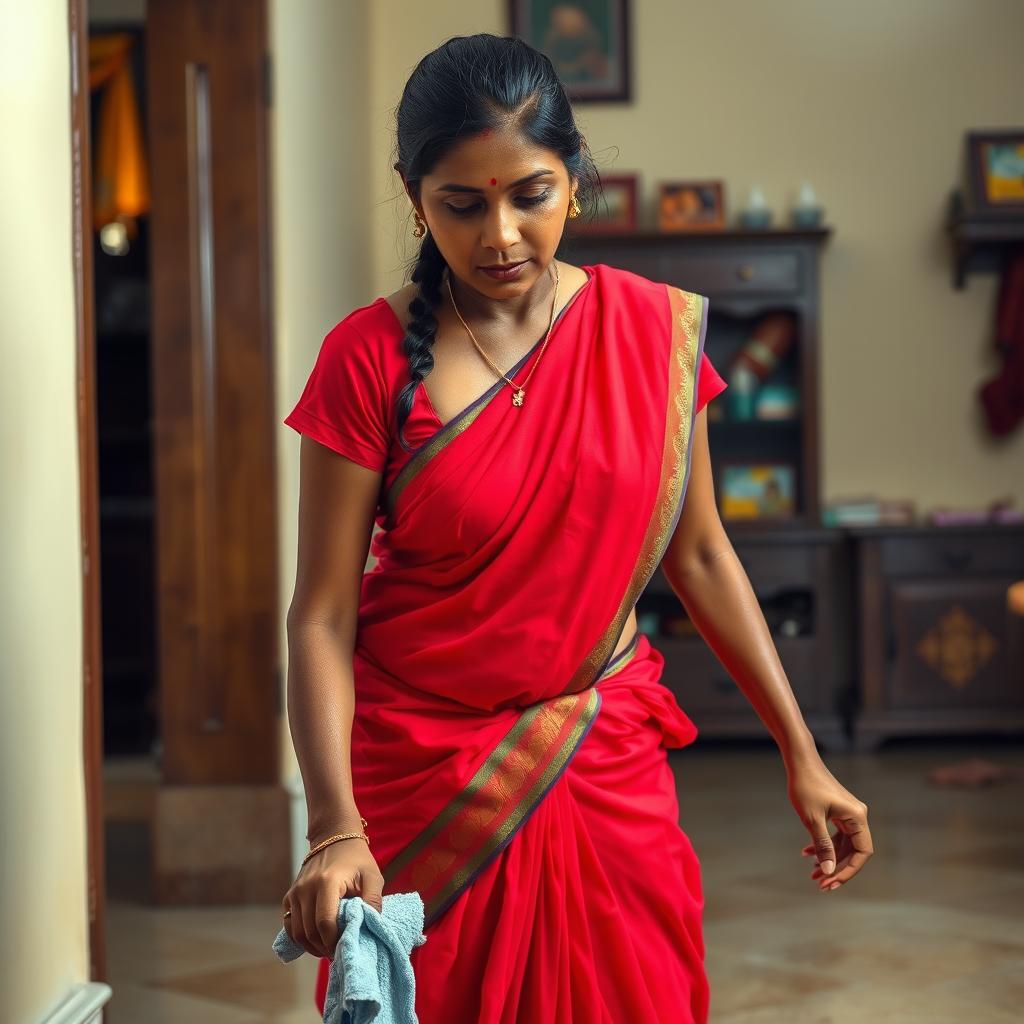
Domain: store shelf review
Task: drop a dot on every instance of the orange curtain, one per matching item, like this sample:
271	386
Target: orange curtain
120	174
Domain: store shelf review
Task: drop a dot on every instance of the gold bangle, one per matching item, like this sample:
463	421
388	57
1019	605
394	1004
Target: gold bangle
334	839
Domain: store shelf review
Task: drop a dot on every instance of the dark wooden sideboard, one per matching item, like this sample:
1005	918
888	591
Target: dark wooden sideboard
934	631
884	632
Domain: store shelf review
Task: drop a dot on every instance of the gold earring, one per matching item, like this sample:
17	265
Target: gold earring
421	229
574	209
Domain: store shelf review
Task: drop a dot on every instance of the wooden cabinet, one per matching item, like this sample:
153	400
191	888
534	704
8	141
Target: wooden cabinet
934	631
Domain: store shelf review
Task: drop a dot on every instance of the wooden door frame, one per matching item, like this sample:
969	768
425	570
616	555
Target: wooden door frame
176	805
88	476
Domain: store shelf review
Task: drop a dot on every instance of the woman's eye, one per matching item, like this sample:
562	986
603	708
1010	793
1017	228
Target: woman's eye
527	201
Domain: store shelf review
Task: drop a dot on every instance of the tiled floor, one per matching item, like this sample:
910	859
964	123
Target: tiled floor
931	931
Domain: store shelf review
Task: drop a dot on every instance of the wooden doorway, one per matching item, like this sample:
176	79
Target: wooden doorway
210	439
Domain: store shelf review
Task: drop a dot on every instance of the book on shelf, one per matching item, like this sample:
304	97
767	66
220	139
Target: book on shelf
868	511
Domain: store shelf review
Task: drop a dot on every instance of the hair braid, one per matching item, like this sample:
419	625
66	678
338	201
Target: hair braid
422	330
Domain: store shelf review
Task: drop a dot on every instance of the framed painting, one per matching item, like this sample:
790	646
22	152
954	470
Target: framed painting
764	490
995	164
587	41
616	207
691	206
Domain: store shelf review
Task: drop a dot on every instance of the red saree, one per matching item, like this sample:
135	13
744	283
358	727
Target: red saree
512	771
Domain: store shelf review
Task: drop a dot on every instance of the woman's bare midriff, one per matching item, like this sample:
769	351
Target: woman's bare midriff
628	632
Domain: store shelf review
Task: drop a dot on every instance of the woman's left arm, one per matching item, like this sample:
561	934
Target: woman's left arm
704	571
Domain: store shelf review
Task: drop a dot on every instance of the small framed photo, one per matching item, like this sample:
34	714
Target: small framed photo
995	170
616	207
691	206
761	490
587	41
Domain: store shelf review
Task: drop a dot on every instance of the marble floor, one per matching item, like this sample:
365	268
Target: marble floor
931	931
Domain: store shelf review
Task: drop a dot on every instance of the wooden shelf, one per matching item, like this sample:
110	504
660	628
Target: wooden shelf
647	236
980	243
740	428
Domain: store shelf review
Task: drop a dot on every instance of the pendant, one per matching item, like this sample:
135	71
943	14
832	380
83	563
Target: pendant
518	396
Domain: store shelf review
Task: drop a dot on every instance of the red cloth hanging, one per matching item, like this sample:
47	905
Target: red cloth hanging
120	172
1003	395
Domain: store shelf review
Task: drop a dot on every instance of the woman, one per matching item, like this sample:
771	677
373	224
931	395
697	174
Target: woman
483	695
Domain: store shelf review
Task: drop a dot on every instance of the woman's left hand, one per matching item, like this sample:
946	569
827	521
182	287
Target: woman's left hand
818	798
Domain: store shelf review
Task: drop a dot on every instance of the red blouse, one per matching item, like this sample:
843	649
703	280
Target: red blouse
361	368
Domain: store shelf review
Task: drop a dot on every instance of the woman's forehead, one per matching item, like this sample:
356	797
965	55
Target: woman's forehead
503	156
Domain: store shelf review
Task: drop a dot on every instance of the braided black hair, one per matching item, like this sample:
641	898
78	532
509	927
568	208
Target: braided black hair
467	84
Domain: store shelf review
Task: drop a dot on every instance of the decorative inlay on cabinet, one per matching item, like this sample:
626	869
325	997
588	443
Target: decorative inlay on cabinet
957	647
949	641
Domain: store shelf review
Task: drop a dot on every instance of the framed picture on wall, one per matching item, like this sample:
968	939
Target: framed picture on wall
616	207
586	40
691	206
995	171
760	490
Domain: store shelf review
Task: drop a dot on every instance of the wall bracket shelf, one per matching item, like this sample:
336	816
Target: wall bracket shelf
980	244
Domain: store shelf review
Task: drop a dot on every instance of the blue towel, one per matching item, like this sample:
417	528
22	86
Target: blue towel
371	976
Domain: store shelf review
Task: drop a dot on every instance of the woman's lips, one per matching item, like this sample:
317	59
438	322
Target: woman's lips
505	273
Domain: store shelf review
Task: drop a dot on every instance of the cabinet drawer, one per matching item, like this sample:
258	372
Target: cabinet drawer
736	273
701	684
946	556
697	678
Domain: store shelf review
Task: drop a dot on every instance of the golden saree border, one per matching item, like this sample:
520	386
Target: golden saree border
688	312
497	801
623	658
439	442
483	818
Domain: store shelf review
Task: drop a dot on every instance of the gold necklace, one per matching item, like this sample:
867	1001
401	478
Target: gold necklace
519	395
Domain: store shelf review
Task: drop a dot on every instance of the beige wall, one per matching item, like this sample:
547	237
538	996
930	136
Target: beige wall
867	100
43	918
320	217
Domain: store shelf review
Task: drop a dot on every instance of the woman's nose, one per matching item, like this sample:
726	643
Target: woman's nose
500	230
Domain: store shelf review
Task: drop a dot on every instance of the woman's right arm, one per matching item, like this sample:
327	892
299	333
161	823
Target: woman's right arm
337	501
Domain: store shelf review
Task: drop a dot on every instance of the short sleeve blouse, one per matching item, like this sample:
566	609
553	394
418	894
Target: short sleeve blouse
360	370
344	404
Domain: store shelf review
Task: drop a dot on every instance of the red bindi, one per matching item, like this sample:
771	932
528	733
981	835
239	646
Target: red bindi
494	181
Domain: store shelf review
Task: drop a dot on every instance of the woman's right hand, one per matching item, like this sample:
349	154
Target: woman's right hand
345	868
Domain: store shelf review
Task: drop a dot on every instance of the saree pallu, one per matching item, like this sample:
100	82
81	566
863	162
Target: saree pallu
513	771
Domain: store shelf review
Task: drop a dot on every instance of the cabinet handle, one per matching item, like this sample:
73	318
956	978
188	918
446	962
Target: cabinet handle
745	272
